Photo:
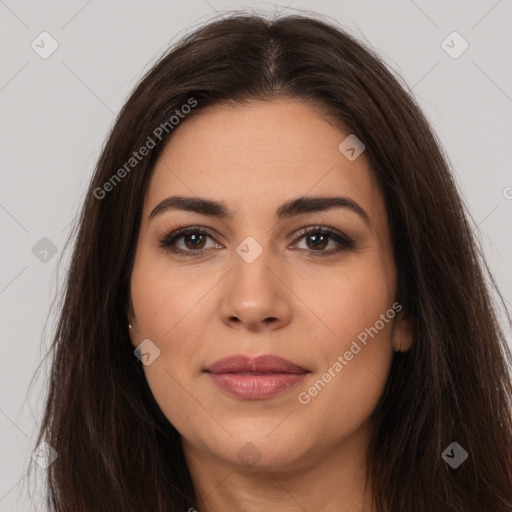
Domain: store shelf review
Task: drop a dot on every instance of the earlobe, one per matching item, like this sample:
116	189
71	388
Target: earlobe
130	327
130	331
403	333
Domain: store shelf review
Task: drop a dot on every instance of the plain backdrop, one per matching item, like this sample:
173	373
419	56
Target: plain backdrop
55	113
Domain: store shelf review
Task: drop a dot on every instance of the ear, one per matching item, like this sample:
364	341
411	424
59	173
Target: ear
403	333
131	324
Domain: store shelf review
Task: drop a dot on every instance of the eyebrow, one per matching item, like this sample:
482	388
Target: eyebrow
299	206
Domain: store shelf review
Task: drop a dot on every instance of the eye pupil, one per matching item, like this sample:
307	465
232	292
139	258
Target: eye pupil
195	239
320	241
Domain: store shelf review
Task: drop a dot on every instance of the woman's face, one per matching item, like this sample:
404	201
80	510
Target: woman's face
256	285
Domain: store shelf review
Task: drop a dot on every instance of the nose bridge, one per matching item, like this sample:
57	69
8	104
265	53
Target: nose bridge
251	274
254	295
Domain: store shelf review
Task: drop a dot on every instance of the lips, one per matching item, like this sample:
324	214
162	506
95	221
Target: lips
261	364
255	378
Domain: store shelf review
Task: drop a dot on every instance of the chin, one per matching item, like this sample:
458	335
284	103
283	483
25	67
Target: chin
257	450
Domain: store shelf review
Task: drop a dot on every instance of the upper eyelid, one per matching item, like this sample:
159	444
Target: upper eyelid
301	232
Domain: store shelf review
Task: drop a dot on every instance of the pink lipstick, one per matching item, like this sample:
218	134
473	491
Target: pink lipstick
255	378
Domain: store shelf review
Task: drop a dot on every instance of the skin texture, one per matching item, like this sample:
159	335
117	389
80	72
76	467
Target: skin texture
290	302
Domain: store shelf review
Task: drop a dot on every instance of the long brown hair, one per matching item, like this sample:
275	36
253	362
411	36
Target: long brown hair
116	449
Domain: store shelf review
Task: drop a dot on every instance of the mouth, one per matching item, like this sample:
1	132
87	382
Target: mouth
257	378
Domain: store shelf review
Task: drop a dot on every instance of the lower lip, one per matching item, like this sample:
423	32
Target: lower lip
253	386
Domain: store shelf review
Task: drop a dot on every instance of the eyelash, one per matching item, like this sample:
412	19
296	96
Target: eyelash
345	242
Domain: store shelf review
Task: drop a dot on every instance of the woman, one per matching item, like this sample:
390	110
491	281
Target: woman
275	300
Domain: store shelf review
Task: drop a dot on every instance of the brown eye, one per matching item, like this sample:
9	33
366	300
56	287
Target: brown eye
194	241
318	239
188	241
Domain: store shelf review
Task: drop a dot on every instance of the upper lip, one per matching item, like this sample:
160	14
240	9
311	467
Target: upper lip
260	364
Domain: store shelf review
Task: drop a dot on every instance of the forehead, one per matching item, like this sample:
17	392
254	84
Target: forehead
260	154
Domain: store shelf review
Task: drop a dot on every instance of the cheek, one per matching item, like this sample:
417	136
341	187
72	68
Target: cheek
356	307
168	312
349	301
163	295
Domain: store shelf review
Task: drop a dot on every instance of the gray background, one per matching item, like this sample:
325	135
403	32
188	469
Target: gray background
56	112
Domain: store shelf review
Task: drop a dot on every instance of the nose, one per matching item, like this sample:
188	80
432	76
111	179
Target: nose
256	297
